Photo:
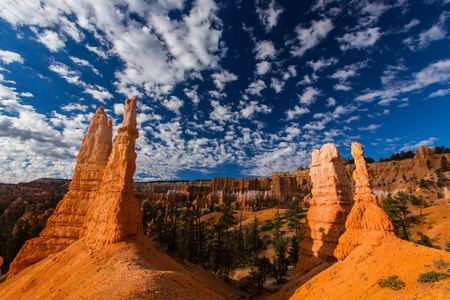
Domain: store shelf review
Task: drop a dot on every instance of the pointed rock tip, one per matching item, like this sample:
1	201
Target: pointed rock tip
129	117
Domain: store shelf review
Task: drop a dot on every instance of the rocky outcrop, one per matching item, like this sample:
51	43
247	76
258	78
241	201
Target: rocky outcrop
367	223
64	226
115	213
424	153
1	263
282	185
330	205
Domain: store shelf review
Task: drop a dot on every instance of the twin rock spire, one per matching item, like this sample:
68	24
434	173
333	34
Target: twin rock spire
100	205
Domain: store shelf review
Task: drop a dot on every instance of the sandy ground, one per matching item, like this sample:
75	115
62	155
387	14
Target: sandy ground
356	277
132	269
435	223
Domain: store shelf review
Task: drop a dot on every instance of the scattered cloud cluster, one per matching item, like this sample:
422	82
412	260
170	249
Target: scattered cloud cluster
259	99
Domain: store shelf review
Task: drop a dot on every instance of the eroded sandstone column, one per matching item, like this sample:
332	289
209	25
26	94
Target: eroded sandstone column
330	205
115	213
367	223
64	226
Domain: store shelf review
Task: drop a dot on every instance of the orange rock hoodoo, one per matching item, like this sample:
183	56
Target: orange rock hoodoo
329	208
367	223
115	213
64	226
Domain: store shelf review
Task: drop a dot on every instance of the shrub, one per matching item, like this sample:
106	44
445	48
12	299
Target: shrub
415	200
440	264
422	183
432	276
391	282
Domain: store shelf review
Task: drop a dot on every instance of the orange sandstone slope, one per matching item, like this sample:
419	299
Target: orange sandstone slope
369	251
113	259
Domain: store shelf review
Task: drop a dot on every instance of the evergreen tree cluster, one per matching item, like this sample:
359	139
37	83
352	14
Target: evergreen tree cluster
225	245
11	243
399	156
441	150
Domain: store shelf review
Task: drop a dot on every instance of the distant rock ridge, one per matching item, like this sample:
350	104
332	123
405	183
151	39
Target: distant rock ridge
64	226
115	213
329	207
367	223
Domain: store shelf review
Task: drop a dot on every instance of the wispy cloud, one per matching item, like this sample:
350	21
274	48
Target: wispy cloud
310	37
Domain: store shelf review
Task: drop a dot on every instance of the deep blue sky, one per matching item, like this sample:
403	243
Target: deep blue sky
229	88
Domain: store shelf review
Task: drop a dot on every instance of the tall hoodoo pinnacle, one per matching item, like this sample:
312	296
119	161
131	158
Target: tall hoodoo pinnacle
66	223
367	223
329	208
115	213
361	174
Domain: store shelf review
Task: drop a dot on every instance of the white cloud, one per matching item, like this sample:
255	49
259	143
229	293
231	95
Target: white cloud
435	33
438	72
51	40
9	57
310	37
174	104
277	85
370	127
173	47
265	50
256	87
192	94
119	109
262	67
74	106
309	96
221	113
342	87
253	107
269	16
413	23
84	63
344	74
413	146
63	71
297	111
321	63
220	79
331	102
360	39
98	92
440	93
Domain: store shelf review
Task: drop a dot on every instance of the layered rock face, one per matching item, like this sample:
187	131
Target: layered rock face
330	205
282	185
423	153
367	223
115	213
64	226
